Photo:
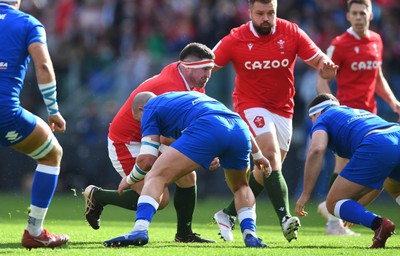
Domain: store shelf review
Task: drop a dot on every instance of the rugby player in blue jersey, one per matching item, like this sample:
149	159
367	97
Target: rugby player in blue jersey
207	134
23	37
372	146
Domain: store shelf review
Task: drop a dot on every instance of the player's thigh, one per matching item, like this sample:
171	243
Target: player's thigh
170	166
236	179
343	188
35	139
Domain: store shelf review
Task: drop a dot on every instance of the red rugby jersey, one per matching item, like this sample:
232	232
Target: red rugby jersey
124	128
264	65
359	60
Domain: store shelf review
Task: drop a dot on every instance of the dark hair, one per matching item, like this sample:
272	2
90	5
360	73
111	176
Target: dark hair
251	2
365	2
196	50
321	98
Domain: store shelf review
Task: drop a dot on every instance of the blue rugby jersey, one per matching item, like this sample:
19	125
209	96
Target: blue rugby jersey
346	127
17	31
170	113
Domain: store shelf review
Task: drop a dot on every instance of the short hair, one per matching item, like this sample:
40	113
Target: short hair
364	2
198	50
321	98
251	2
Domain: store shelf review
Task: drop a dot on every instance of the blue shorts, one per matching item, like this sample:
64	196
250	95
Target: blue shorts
377	158
16	130
211	136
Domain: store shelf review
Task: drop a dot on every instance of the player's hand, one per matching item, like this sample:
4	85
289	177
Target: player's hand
300	205
123	185
264	165
57	123
328	70
214	164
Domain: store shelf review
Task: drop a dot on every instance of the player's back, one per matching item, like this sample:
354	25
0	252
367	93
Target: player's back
13	44
347	127
17	31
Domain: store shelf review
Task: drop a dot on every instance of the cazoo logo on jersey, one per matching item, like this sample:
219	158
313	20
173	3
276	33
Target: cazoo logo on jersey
266	64
365	65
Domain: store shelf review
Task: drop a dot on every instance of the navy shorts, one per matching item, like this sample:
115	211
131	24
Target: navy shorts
18	129
377	158
211	136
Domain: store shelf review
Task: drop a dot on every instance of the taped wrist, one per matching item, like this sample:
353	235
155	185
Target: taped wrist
257	156
149	147
49	93
136	175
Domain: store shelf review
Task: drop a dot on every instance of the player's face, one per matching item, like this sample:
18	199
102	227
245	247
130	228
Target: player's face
359	17
198	77
263	17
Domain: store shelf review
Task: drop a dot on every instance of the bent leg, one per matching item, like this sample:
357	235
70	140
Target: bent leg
342	202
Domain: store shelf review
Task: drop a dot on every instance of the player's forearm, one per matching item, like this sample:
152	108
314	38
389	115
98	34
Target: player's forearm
312	170
323	85
383	90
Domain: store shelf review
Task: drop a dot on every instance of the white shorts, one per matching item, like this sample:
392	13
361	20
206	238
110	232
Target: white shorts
123	156
263	121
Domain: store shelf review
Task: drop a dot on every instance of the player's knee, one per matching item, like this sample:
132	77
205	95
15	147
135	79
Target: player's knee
52	155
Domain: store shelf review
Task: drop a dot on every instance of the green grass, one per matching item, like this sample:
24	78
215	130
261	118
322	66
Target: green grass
66	216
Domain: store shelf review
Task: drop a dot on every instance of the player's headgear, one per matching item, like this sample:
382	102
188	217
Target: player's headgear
198	64
321	102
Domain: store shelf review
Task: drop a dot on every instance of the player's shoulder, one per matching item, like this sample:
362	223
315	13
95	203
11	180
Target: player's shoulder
374	36
241	32
286	26
343	39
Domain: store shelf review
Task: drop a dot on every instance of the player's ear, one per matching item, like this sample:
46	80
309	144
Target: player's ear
371	16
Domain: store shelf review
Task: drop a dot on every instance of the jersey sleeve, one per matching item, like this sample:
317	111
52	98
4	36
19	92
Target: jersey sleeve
222	51
36	33
308	50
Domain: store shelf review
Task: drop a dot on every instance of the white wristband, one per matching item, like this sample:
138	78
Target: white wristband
257	156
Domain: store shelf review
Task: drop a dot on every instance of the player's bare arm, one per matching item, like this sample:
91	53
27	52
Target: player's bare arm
384	91
312	169
323	85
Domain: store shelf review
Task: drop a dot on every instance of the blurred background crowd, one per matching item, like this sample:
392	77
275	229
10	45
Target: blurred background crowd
103	49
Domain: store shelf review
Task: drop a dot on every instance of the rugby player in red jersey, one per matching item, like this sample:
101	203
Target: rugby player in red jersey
263	52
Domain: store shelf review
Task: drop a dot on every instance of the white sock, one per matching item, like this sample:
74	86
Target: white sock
35	220
141	225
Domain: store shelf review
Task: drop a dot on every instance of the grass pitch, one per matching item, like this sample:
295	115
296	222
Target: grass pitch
66	216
